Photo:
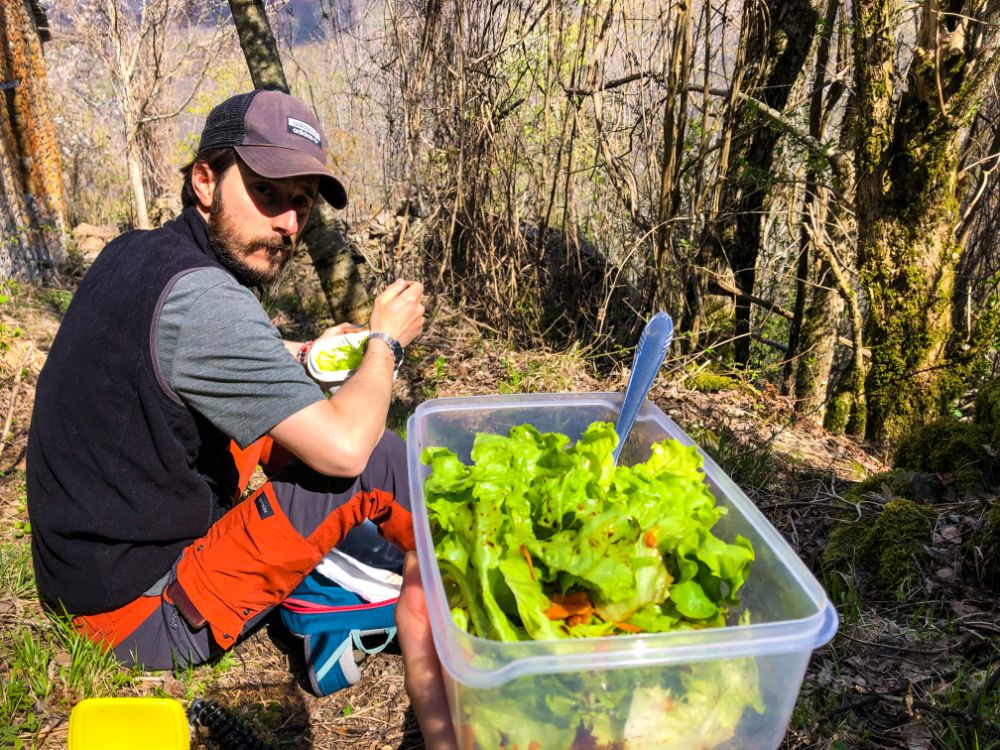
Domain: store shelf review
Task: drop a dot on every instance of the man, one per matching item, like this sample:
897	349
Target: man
163	360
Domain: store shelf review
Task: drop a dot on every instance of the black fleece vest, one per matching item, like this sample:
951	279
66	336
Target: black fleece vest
121	474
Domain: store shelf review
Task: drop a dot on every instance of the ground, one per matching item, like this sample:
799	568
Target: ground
917	670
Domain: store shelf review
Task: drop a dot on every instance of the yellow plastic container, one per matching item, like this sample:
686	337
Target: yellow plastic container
128	724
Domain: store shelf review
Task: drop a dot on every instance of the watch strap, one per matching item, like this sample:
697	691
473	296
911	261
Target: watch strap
394	346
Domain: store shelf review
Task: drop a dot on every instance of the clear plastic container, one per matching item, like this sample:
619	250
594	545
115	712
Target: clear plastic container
679	690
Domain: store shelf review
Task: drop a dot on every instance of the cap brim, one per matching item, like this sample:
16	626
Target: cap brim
277	162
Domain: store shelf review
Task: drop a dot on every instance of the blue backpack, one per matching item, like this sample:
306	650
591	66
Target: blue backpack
332	621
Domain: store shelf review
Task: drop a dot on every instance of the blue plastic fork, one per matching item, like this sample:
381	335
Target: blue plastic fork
649	355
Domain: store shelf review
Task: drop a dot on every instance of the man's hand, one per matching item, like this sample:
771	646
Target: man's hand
339	329
398	311
336	436
423	680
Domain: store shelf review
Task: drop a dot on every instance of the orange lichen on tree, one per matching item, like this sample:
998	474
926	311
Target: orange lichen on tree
31	173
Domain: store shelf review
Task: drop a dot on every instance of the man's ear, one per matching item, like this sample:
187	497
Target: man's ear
203	183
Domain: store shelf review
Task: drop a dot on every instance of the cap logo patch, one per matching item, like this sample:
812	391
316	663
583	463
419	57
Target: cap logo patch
303	129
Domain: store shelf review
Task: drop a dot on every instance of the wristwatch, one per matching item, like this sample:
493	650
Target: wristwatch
395	346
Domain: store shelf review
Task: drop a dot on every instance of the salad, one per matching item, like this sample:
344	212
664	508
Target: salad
539	539
347	356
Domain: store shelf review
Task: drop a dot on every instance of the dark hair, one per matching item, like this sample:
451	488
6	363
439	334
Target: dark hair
218	160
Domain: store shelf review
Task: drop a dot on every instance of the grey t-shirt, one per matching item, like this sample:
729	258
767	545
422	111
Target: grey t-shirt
222	356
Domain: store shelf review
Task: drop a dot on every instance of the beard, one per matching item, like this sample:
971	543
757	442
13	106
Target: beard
232	250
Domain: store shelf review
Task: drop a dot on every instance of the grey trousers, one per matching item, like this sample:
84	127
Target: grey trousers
166	639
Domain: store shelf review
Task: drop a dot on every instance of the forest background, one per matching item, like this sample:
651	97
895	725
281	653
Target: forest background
808	186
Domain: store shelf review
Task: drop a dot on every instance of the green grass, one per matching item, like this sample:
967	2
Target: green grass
749	464
16	576
47	662
60	299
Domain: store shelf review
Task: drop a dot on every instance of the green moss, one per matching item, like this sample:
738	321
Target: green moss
843	545
838	561
885	553
895	543
948	446
908	275
837	414
710	382
897	483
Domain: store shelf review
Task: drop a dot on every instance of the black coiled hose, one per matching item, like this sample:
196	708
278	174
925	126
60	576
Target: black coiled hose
224	728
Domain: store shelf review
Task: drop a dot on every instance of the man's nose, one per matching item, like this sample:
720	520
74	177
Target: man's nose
286	222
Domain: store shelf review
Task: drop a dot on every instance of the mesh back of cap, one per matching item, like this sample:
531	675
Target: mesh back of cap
226	124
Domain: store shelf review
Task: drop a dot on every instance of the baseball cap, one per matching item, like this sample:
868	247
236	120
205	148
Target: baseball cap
276	135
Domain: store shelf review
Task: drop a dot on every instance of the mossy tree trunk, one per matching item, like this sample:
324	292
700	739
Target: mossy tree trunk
675	113
259	46
822	286
325	236
908	196
811	359
32	205
777	37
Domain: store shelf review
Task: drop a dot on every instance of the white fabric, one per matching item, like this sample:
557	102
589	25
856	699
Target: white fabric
371	584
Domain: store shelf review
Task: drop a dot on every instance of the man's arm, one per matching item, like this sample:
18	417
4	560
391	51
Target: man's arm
336	436
423	680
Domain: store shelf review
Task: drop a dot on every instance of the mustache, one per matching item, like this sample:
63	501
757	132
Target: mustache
278	249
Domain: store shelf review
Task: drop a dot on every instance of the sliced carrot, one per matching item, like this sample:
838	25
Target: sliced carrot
531	568
650	539
557	612
576	599
568	605
628	627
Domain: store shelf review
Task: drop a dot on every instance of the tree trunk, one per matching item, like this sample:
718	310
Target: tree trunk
325	236
778	43
908	197
674	126
31	189
259	46
822	283
123	75
136	184
815	344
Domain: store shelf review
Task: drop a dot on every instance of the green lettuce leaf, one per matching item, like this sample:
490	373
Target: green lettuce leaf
534	517
540	539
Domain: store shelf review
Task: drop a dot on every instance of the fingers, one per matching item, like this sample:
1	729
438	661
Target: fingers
399	311
339	329
414	289
395	289
424	681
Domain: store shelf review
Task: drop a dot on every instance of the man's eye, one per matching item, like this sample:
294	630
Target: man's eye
264	189
303	202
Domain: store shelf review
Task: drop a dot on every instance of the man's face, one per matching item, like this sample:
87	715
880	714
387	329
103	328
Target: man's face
254	221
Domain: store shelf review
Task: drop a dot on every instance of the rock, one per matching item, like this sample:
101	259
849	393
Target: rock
91	238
